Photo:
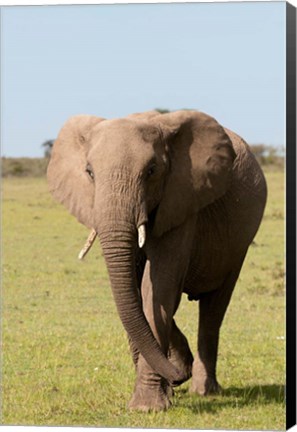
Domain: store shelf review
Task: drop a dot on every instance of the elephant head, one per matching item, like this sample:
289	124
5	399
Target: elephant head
148	173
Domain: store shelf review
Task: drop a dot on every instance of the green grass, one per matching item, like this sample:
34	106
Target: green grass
65	356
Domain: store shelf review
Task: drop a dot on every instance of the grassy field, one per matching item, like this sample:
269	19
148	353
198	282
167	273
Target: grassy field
65	356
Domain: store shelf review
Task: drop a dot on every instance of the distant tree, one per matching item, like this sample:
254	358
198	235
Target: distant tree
268	155
165	111
162	110
260	151
48	145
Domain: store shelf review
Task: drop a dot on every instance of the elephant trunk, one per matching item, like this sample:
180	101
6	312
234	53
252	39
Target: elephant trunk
119	242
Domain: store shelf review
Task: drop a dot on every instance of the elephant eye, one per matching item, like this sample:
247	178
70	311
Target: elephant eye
151	170
90	171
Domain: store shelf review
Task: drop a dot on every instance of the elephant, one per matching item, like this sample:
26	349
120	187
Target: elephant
176	199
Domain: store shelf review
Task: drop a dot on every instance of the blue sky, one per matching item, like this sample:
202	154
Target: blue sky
226	59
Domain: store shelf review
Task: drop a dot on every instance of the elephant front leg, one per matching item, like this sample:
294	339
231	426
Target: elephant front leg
161	291
152	392
179	354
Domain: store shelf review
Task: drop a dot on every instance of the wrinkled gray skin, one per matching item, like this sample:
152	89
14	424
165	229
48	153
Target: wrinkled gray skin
201	195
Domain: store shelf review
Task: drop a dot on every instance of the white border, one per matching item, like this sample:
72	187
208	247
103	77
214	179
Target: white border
96	2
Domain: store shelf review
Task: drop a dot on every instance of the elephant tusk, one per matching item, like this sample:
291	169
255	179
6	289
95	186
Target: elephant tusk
141	235
88	244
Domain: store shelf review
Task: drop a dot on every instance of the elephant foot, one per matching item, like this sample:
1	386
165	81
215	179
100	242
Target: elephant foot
204	380
184	366
150	399
205	386
186	369
180	354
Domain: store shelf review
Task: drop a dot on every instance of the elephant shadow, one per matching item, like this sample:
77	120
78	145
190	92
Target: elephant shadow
239	396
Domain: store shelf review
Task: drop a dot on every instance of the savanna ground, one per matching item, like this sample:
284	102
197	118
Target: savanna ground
65	355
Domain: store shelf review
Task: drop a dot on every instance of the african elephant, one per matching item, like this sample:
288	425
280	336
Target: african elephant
176	200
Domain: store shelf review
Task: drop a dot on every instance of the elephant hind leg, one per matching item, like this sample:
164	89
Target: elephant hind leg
212	308
179	352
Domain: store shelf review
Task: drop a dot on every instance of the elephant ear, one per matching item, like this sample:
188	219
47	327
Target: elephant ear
66	173
201	159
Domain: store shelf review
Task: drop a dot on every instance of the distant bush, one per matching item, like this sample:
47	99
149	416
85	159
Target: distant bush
268	155
23	167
